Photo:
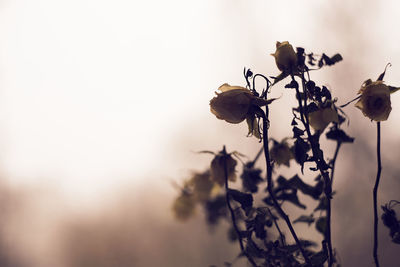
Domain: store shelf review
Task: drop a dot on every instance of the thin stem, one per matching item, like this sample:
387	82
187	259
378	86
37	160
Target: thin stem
258	155
320	162
235	226
328	232
351	101
265	78
271	192
393	201
375	193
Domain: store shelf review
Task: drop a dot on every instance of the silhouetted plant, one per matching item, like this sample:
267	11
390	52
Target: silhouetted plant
255	214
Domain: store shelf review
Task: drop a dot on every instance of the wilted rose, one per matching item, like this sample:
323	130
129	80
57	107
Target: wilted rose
320	118
375	100
281	153
184	206
201	185
285	56
218	168
234	102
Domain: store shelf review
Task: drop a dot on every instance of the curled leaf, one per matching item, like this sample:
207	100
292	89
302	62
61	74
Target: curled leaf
320	225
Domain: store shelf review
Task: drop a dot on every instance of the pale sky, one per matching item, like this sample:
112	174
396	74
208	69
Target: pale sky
93	93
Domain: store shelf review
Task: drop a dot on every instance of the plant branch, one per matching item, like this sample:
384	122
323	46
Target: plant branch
257	156
270	188
234	223
375	193
328	233
319	161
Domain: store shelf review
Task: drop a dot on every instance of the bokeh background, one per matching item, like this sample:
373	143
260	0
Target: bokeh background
103	103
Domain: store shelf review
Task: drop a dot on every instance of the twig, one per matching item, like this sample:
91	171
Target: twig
375	193
271	192
351	101
257	156
328	232
318	160
235	226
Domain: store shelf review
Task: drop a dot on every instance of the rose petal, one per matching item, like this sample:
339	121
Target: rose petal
226	87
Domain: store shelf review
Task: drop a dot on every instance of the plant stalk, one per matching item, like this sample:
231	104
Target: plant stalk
375	193
318	160
234	223
270	189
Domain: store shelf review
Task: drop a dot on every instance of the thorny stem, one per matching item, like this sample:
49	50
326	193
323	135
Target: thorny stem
235	226
375	193
318	160
270	189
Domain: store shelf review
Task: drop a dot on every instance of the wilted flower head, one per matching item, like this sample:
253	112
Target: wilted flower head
285	56
281	153
184	206
375	100
201	185
218	168
234	102
251	177
320	118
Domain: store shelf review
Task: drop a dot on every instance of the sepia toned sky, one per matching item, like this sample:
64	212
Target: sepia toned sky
102	104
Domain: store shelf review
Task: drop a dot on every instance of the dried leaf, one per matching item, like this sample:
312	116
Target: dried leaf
309	219
320	225
291	197
245	200
339	135
318	259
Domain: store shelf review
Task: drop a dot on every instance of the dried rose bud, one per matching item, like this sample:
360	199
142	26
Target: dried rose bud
285	56
320	118
233	104
281	153
218	168
375	100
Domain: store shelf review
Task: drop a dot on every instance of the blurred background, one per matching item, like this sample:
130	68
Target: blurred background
102	104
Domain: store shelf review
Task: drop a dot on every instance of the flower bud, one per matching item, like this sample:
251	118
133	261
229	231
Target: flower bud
218	168
285	56
375	100
233	104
